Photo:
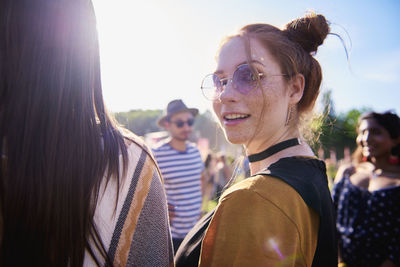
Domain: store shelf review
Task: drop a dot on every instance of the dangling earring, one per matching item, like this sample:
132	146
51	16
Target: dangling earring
394	158
289	115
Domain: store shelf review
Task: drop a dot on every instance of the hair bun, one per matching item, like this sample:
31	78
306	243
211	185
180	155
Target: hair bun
309	31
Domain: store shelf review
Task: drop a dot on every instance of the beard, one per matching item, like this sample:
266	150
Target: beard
184	136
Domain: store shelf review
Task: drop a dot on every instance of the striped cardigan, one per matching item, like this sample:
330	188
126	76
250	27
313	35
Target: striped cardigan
135	231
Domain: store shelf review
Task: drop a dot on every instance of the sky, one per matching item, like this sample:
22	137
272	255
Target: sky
155	51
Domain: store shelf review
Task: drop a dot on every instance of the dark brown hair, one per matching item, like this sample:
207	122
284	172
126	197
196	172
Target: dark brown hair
56	138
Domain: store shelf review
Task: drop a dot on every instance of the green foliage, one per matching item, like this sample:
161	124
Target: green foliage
139	121
208	206
337	131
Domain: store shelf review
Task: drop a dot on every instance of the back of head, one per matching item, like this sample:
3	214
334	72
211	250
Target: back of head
55	135
50	65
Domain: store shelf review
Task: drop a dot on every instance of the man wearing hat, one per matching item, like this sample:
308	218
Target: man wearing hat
181	167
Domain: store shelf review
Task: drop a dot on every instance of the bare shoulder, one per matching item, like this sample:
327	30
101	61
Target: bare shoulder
362	174
346	169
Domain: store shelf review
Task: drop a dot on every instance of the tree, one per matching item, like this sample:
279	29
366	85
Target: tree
338	131
140	121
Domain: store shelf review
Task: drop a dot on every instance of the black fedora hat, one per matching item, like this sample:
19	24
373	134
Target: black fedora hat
174	107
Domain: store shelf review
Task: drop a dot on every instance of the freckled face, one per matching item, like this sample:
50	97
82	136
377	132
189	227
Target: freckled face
239	114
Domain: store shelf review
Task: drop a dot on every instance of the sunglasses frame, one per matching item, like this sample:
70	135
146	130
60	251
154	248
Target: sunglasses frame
217	93
181	123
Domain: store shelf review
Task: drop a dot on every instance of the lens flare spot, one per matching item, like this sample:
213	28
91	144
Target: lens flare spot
289	260
275	247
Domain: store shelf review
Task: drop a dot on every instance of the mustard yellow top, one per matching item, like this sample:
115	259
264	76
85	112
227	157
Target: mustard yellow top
261	221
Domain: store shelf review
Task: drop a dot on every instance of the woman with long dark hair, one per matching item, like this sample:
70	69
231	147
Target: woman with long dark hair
75	188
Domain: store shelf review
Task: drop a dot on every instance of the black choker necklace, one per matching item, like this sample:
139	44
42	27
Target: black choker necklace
273	149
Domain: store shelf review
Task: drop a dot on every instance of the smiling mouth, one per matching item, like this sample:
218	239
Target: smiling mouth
233	117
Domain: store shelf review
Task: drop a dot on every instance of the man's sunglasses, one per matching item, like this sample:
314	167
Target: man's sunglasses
243	80
180	123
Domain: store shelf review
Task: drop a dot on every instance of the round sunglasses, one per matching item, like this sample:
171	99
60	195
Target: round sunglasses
180	123
243	80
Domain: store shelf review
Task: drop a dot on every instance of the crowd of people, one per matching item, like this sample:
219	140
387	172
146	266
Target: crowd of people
78	189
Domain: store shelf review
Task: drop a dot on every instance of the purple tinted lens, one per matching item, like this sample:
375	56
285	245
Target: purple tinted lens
217	83
244	79
217	88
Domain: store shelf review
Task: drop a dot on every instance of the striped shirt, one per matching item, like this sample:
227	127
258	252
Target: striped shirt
134	229
181	172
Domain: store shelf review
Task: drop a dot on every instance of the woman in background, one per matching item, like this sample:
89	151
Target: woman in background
265	83
75	188
367	195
